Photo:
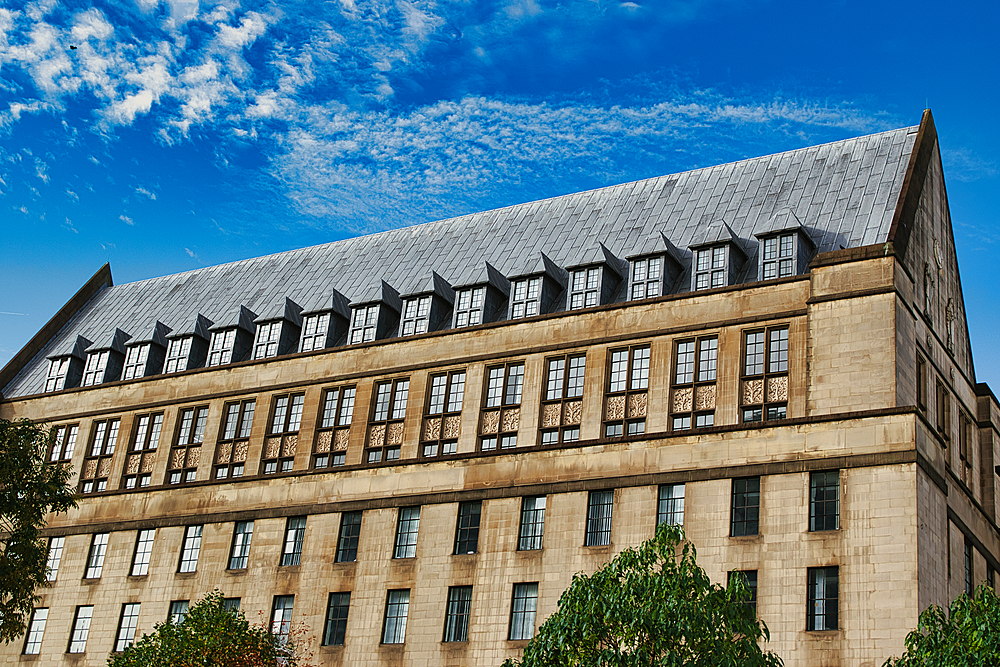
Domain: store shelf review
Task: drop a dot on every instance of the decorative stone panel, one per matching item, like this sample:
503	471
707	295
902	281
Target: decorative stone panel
432	428
324	441
704	397
376	436
272	447
240	451
90	469
615	408
289	445
777	389
194	457
341	439
752	393
511	419
147	463
550	415
225	452
491	422
177	459
637	405
105	468
452	426
394	436
683	400
132	465
573	412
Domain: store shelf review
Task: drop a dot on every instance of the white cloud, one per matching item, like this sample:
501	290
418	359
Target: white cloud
146	193
191	253
127	220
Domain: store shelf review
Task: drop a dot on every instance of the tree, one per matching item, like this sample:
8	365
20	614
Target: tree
211	636
968	635
651	605
30	488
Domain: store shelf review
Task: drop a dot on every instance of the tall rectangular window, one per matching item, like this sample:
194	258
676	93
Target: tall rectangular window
95	558
967	552
190	549
143	552
349	537
585	288
501	415
750	581
921	381
364	324
599	508
764	386
647	278
231	604
234	439
966	436
220	350
532	523
416	315
523	605
456	617
525	297
185	455
314	332
97	463
469	307
295	534
126	626
625	402
178	611
443	415
142	447
281	616
397	608
467	530
178	350
239	553
36	629
135	361
824	500
282	438
54	557
694	391
406	532
562	399
943	411
334	432
58	369
81	628
670	505
745	518
821	609
385	428
63	443
266	344
97	363
337	609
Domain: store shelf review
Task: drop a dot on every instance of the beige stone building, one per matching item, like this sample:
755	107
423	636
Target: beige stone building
410	441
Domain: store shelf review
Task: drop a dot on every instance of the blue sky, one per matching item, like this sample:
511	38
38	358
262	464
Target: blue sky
180	134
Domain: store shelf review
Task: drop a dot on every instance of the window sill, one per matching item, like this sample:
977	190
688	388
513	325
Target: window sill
747	538
185	575
237	572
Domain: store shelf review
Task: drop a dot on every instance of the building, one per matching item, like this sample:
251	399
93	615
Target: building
410	441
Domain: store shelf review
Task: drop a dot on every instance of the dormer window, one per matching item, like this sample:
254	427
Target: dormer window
178	350
135	361
779	257
586	291
785	246
525	299
416	315
469	308
266	344
220	351
314	332
710	267
364	323
58	369
647	278
97	363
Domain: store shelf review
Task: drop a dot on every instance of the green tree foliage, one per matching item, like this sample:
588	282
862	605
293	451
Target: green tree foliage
651	605
967	635
30	488
209	636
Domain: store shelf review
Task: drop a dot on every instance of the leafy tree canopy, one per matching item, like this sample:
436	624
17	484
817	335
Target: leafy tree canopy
209	636
967	635
30	488
651	605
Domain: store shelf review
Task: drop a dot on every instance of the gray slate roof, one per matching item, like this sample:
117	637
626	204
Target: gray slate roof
844	193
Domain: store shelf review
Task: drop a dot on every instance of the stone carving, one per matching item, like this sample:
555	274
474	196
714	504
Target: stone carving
637	405
132	467
615	408
105	468
432	429
491	422
240	451
289	445
777	389
225	452
147	463
753	392
394	436
550	415
194	457
90	469
177	458
324	441
704	397
341	438
452	426
683	400
376	436
272	446
511	419
572	412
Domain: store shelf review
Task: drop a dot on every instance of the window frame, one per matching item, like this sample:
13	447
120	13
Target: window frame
239	549
814	601
78	635
711	272
529	304
784	264
405	546
136	359
267	339
646	281
295	536
750	580
128	622
221	346
188	444
315	329
231	450
385	431
95	371
476	305
669	505
519	618
693	401
281	626
56	381
147	429
820	518
742	508
467	527
364	321
62	445
457	614
34	635
142	554
419	321
178	354
501	433
284	422
756	404
335	626
333	435
190	548
97	461
587	294
617	422
439	432
561	411
53	557
599	523
349	537
96	554
401	607
531	527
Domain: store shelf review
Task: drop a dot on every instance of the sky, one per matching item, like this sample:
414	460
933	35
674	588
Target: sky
168	135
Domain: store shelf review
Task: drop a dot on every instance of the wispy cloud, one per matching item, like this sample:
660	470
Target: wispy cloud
126	219
966	166
3	312
191	253
146	193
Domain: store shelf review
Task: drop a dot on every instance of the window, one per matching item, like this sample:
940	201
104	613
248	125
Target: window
599	507
525	297
363	324
95	558
456	617
81	628
334	432
239	553
467	530
764	393
315	329
279	446
135	361
63	443
145	439
190	549
416	315
220	350
281	616
921	380
778	260
967	552
943	411
443	416
647	278
821	609
523	605
562	401
336	619
585	288
469	307
397	607
670	505
750	581
143	551
745	518
58	369
628	383
231	452
824	500
178	351
532	523
966	434
54	557
231	604
185	455
406	532
97	463
126	626
350	536
295	533
385	430
501	416
97	363
693	393
36	628
265	345
711	267
178	611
